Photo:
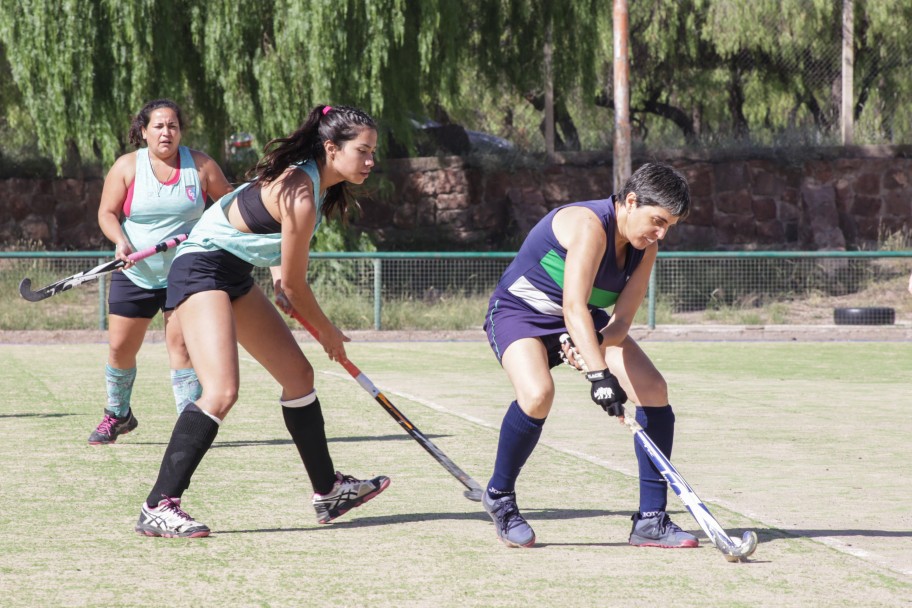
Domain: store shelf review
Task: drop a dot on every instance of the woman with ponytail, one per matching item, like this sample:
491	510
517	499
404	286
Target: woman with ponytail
267	222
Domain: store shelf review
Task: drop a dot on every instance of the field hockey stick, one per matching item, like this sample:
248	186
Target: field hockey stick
730	548
25	287
474	489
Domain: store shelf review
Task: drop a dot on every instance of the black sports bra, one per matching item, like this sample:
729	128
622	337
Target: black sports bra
254	213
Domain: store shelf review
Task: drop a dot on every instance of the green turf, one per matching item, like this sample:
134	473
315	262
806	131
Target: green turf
804	443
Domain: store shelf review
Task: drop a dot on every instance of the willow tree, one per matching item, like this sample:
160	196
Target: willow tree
756	69
84	67
508	39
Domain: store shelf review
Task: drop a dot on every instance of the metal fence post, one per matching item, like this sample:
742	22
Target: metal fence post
378	288
652	296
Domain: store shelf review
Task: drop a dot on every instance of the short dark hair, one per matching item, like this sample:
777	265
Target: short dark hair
660	185
141	120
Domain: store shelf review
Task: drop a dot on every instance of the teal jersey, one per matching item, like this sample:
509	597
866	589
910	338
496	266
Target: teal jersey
214	231
156	211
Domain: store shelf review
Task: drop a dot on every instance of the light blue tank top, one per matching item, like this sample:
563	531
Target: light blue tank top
214	231
158	212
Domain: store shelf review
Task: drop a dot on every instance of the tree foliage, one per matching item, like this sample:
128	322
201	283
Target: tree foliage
73	72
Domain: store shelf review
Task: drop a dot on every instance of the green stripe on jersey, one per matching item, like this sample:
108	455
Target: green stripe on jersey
554	266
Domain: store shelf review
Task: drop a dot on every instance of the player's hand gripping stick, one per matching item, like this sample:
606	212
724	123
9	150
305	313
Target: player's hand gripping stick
607	392
25	287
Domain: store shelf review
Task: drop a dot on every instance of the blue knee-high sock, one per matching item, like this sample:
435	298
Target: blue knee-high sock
186	387
658	422
119	383
519	435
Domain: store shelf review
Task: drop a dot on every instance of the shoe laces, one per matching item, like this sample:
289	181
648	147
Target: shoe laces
106	424
173	506
665	524
509	514
343	479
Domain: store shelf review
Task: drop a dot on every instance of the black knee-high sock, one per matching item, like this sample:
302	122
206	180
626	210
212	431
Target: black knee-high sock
192	437
305	424
658	422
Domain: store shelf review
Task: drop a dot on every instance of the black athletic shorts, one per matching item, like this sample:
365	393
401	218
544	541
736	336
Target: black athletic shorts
126	299
208	271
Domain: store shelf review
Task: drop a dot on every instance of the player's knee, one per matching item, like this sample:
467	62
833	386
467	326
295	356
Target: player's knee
121	351
653	391
220	399
536	401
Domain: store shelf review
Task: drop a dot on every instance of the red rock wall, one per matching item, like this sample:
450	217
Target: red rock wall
790	200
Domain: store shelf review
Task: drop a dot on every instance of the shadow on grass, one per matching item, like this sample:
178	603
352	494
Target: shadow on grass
35	415
779	534
244	443
409	518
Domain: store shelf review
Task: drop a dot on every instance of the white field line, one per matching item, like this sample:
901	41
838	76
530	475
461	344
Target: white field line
831	542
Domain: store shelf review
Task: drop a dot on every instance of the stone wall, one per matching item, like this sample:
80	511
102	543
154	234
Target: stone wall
779	200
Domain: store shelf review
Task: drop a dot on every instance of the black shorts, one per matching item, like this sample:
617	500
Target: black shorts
127	299
208	271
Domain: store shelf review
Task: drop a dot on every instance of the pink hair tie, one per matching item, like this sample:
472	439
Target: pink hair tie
326	110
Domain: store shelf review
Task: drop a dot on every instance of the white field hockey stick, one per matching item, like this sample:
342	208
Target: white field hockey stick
25	287
474	489
730	548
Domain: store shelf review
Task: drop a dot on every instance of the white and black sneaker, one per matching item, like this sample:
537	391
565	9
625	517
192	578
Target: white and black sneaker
169	520
346	494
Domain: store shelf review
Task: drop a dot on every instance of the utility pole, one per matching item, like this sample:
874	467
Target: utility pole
549	93
848	73
622	168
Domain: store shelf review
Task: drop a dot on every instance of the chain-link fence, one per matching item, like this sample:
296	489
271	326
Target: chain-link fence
450	291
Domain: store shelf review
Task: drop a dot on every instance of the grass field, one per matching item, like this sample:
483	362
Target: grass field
806	443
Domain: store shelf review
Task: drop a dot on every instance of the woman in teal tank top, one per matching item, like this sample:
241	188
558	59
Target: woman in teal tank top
150	195
269	224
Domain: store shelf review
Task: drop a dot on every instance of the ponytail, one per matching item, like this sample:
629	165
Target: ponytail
338	124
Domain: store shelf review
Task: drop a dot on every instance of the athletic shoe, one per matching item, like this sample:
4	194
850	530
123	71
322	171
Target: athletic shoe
346	494
169	520
512	528
659	531
111	427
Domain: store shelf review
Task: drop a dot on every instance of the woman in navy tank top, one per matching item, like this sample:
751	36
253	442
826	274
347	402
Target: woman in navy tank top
578	260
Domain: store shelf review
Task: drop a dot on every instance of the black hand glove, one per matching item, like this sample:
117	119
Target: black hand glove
607	392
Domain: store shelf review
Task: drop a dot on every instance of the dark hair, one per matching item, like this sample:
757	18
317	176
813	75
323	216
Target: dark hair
338	124
660	185
141	120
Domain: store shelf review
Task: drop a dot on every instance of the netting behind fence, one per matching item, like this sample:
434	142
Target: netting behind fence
451	291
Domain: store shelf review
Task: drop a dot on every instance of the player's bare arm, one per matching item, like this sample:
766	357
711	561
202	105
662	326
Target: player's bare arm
581	233
292	194
110	208
212	179
630	300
